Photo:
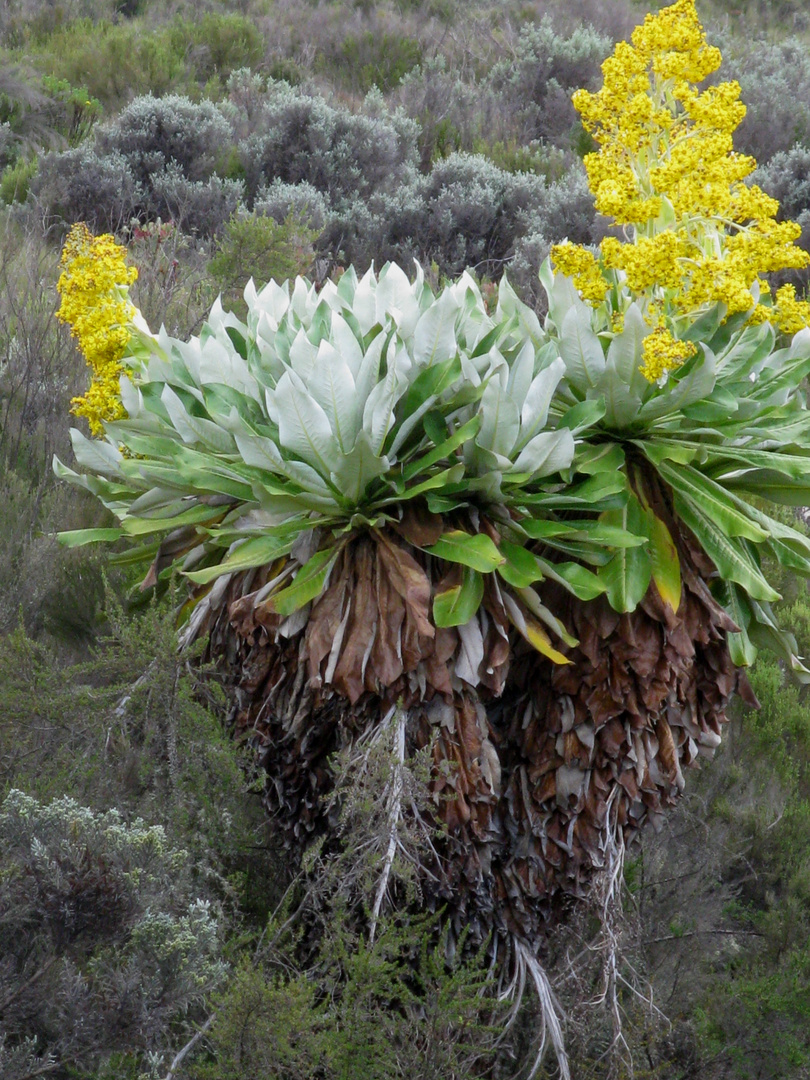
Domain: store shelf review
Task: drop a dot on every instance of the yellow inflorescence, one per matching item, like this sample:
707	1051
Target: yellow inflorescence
662	353
93	286
667	172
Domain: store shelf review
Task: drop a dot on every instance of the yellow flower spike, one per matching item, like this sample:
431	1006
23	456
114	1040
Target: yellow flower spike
694	234
93	285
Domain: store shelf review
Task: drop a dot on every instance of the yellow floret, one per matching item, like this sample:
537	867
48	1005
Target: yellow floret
662	353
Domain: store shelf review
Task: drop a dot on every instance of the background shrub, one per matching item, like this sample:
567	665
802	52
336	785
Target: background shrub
299	137
256	246
83	185
775	83
154	132
535	84
302	201
195	206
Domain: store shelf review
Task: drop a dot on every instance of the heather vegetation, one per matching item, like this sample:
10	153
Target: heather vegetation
151	925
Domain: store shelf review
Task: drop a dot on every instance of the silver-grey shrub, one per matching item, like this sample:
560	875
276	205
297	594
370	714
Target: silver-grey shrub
300	137
775	84
466	213
104	944
200	207
303	201
83	185
151	132
535	84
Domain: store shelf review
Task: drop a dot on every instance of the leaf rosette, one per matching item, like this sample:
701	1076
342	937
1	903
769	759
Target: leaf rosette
322	416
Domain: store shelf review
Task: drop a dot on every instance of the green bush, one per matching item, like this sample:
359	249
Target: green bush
16	179
376	59
258	247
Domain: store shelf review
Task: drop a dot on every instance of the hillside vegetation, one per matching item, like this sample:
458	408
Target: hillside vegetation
147	914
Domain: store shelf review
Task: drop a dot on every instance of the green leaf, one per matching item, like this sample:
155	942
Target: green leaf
600	458
521	568
448	478
712	500
256	551
666	566
474	550
309	583
78	537
237	341
583	415
456	605
626	576
732	559
195	515
429	384
742	650
574	577
443	450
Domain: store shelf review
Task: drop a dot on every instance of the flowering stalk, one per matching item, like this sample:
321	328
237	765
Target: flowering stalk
94	286
694	233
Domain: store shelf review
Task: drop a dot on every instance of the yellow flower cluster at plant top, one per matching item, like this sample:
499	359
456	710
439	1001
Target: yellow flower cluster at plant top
93	286
666	171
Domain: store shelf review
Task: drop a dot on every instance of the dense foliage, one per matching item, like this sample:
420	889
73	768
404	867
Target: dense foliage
481	166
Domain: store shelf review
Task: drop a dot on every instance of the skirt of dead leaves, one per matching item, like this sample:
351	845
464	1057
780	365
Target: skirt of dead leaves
534	765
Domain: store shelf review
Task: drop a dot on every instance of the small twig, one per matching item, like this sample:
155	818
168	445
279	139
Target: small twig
394	814
697	933
178	1059
29	982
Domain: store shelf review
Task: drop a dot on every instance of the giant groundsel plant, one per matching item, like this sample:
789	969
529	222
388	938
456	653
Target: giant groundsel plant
534	552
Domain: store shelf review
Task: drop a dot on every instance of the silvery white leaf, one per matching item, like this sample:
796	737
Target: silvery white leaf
564	298
153	499
131	398
469	370
510	304
195	429
220	364
346	344
800	344
187	357
581	350
263	453
354	471
304	299
621	404
378	413
332	386
534	413
500	420
302	355
546	453
624	357
395	294
466	284
274	300
369	373
346	287
96	454
304	427
329	296
434	339
365	301
521	371
266	327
